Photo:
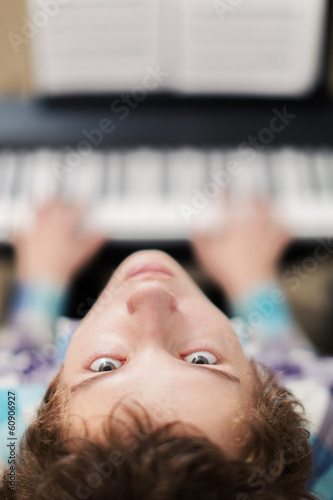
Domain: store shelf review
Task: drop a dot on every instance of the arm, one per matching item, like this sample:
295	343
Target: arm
242	259
47	257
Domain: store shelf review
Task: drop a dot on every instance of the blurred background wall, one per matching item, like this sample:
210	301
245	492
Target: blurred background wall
15	72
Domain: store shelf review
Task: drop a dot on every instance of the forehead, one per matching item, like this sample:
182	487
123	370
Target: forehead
212	409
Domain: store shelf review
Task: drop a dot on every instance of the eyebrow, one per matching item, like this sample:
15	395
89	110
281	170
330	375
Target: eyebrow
92	380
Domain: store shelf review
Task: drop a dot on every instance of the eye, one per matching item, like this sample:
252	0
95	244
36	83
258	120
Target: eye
105	365
201	358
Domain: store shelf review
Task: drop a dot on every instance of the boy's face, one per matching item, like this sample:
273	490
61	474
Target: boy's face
139	343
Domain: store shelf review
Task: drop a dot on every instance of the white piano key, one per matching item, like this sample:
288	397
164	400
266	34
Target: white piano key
4	155
329	174
206	177
286	206
99	176
22	207
152	175
103	177
115	173
88	179
132	177
110	210
143	203
322	170
306	180
291	208
218	171
10	165
321	166
187	173
25	175
16	207
243	185
312	206
216	160
308	208
275	178
233	159
70	180
175	177
197	167
288	161
45	185
260	174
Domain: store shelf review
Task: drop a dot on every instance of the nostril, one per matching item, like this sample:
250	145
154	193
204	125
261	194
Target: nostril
130	307
173	302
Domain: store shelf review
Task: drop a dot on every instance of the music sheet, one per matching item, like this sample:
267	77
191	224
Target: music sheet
256	46
191	46
95	45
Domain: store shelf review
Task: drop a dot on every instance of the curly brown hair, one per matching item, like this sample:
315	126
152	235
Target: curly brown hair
163	463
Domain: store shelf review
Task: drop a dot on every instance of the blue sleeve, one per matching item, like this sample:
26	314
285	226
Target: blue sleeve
322	480
267	319
33	310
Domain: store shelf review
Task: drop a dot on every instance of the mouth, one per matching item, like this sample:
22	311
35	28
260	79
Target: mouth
148	270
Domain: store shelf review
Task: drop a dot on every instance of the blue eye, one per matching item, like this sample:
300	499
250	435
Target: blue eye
201	358
105	365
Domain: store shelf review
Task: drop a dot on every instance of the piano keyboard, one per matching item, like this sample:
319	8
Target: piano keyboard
158	194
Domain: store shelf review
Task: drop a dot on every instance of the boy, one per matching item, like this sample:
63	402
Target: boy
159	427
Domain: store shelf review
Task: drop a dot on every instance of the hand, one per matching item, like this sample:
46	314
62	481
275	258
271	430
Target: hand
246	251
54	250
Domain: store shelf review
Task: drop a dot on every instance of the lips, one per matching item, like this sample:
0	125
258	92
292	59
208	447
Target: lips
149	268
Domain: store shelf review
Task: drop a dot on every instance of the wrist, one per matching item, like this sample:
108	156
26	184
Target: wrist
49	277
265	310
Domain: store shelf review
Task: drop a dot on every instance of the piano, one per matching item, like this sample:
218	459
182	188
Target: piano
154	165
166	193
163	172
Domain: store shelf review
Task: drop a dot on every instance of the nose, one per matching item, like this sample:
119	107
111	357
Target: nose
153	298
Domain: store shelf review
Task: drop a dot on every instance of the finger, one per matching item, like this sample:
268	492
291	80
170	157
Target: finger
53	205
280	235
200	240
92	244
72	217
201	245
